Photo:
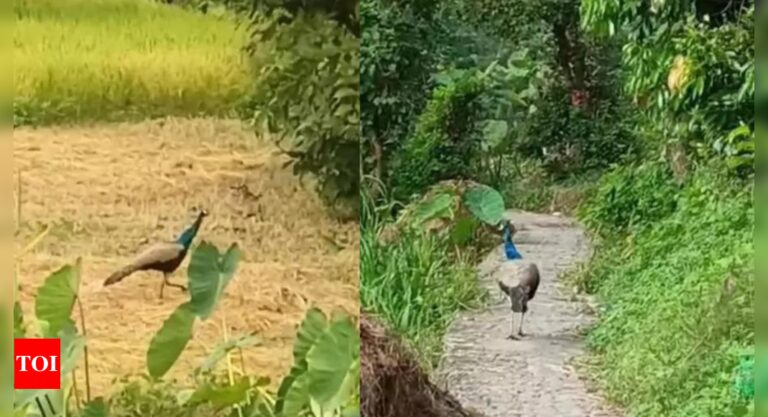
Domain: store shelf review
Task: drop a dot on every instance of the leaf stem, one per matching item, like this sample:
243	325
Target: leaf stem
85	350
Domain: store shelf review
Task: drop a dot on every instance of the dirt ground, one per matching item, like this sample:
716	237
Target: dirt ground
533	377
108	190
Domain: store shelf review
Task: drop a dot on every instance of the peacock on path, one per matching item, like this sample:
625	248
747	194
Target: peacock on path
164	257
509	248
521	294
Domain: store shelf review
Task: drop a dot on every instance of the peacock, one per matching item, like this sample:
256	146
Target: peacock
164	257
509	248
521	294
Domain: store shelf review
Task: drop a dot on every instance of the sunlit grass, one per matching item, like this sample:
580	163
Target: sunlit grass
79	60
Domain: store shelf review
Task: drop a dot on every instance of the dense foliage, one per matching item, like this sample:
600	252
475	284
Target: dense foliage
690	66
642	110
678	316
307	72
417	273
676	335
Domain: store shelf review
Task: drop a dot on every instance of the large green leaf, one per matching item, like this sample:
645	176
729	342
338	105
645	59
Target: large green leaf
220	351
296	398
438	206
485	203
333	364
311	329
56	298
228	265
209	273
168	343
72	347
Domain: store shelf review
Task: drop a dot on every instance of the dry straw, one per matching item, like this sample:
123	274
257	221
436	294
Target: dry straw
107	190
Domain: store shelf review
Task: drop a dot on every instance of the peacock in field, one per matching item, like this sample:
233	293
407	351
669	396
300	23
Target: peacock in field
164	257
509	248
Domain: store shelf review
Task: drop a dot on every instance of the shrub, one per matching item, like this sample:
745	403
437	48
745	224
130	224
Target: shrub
445	142
631	197
677	312
308	99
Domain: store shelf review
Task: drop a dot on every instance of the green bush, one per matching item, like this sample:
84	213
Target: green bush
690	68
400	50
446	140
631	198
677	312
308	99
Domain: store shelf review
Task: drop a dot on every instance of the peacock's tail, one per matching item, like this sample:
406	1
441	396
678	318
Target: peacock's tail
121	273
504	287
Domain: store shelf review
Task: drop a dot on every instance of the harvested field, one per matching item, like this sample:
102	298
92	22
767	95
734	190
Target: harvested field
105	191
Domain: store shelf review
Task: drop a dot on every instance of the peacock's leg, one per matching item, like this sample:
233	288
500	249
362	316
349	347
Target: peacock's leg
512	333
162	286
170	284
520	330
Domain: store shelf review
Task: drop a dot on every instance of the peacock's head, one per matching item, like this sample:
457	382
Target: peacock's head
203	213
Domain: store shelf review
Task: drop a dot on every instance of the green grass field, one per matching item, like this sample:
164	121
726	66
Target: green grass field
94	60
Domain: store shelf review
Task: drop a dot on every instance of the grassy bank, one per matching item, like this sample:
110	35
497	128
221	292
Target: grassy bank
417	283
677	319
78	60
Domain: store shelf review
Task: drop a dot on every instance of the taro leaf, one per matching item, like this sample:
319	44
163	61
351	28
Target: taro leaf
334	364
96	408
295	383
72	347
296	397
168	343
228	265
222	349
312	328
494	133
485	203
221	396
209	273
438	206
56	298
204	279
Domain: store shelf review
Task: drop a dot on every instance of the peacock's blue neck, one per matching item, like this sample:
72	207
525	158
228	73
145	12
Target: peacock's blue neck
507	232
187	236
509	247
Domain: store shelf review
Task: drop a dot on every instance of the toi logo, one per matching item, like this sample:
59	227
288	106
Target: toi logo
37	364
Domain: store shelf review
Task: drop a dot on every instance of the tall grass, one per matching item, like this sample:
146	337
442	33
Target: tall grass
85	60
417	284
678	317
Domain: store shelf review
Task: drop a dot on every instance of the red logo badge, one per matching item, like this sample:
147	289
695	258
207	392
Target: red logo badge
37	364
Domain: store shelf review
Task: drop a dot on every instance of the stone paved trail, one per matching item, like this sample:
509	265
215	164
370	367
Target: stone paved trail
532	377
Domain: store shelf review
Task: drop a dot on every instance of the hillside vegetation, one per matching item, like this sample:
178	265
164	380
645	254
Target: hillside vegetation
636	119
